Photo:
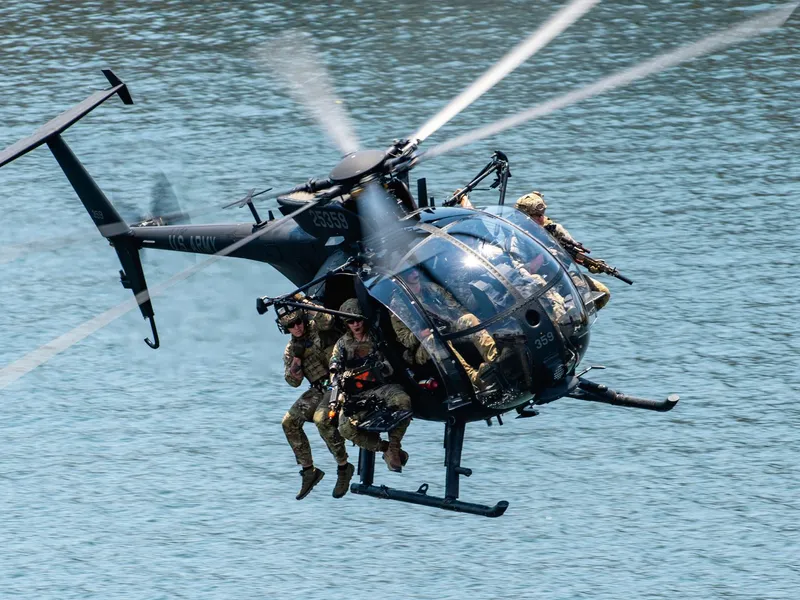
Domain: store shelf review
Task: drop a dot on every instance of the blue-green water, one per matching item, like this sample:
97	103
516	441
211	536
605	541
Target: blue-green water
129	473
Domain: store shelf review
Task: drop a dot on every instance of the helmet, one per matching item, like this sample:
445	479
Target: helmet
287	316
352	306
290	317
532	204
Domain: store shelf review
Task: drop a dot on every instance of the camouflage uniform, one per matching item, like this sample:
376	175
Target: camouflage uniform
312	406
346	352
439	302
533	205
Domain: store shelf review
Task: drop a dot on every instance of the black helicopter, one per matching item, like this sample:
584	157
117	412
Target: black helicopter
358	231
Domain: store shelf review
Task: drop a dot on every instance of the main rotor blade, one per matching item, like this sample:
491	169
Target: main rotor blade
382	230
12	252
21	367
747	29
518	55
291	58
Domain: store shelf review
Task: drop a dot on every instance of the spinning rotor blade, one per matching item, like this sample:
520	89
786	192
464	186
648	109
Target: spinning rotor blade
164	207
737	33
10	373
164	203
291	58
50	244
518	55
380	214
12	252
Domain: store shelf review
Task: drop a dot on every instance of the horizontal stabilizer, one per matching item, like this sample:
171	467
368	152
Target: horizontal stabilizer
66	119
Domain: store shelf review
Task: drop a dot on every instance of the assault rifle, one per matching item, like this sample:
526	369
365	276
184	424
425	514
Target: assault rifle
581	256
334	403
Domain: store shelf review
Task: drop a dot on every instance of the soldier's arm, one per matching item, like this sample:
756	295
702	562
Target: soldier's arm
446	297
404	335
337	357
290	377
558	231
323	320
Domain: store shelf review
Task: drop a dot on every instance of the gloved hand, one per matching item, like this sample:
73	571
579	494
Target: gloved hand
296	367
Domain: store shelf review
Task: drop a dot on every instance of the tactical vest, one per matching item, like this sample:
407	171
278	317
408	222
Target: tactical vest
314	359
363	366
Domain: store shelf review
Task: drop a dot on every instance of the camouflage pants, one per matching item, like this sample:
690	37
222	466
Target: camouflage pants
312	406
482	339
596	286
393	396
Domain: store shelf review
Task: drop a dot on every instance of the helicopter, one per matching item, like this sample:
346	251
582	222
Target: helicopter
359	231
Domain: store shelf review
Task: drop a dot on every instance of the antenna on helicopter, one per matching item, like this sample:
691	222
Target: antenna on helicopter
248	201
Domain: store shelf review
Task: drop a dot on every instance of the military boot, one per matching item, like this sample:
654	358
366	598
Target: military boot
394	457
505	356
343	477
311	477
485	379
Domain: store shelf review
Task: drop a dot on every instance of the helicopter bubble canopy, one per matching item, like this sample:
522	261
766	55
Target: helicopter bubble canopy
536	231
476	289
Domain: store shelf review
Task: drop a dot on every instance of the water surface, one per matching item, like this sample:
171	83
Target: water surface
132	473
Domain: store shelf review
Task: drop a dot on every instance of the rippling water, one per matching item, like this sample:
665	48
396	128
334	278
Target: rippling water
129	473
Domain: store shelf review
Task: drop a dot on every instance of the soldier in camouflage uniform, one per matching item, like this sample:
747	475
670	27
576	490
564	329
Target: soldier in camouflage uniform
354	346
534	206
439	302
307	356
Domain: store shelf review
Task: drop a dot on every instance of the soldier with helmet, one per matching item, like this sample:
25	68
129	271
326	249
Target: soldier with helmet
358	364
534	206
441	304
306	357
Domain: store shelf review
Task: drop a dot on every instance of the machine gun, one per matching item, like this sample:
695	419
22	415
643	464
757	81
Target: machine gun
334	402
347	388
499	166
580	254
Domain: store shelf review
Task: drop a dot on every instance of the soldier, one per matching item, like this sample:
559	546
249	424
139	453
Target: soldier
359	348
441	304
464	201
534	206
307	356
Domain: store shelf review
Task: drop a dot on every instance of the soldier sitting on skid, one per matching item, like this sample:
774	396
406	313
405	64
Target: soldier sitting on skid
534	206
306	356
441	303
359	348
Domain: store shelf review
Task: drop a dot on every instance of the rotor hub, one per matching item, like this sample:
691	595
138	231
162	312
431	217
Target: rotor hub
354	166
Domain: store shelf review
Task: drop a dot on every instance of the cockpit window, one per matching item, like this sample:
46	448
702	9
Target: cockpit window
450	281
533	229
477	290
516	257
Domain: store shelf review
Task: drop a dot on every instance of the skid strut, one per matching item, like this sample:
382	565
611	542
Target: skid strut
453	442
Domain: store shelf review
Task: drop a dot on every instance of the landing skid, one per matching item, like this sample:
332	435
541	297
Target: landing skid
453	442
